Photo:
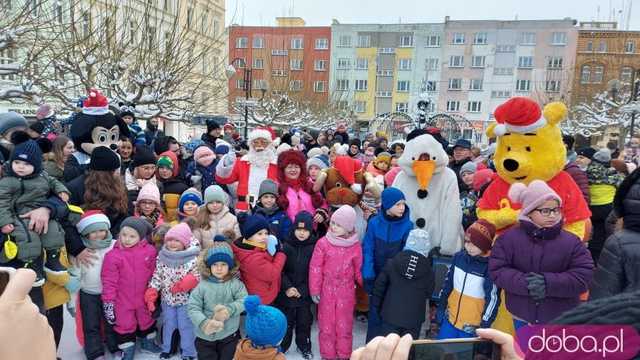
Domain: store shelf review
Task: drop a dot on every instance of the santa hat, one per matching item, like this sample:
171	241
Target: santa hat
95	103
260	133
93	220
347	167
520	115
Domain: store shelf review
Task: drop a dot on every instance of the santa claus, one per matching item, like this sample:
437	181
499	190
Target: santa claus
254	167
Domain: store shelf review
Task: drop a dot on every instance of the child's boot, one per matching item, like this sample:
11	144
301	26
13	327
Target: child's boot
53	261
128	350
148	345
36	266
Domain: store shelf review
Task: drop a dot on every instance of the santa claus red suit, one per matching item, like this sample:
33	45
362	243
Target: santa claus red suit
251	169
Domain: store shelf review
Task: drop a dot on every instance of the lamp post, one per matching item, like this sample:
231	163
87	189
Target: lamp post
230	71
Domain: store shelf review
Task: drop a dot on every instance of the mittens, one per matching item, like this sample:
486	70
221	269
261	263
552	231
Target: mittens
150	297
315	298
212	326
221	313
272	245
186	284
109	312
73	285
229	159
536	285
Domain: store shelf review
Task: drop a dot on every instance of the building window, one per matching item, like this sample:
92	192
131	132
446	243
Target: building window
343	64
240	84
430	85
241	43
258	63
456	61
402	107
364	41
320	65
403	86
431	64
590	46
503	71
278	72
585	74
360	106
559	38
500	94
477	61
406	41
602	47
322	44
630	47
297	43
240	63
344	41
296	64
480	38
260	84
343	104
474	106
528	38
552	86
458	39
319	86
362	64
525	62
342	84
475	84
361	85
505	48
626	73
279	52
295	85
598	74
455	84
554	62
258	43
523	85
404	64
453	105
433	41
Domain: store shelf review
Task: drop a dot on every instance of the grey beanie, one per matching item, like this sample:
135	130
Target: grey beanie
10	120
140	225
602	156
268	186
418	241
469	166
215	193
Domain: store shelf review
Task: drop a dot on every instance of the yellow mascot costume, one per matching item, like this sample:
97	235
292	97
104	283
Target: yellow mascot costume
529	147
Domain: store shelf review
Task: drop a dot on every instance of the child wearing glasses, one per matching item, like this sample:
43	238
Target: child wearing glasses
542	268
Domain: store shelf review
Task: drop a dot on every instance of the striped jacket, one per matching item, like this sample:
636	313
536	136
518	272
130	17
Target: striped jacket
468	294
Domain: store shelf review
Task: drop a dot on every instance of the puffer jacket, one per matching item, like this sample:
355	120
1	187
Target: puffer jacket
219	223
171	267
296	270
385	237
402	289
21	195
260	272
279	222
580	177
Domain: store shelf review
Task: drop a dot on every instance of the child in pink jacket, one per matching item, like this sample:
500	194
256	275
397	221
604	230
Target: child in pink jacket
126	271
333	273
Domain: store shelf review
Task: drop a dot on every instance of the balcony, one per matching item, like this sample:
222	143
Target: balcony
384	72
386	50
383	94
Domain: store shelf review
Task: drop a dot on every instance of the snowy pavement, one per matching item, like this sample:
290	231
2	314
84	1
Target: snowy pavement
69	348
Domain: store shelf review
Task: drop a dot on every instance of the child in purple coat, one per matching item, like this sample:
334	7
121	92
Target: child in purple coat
542	268
126	271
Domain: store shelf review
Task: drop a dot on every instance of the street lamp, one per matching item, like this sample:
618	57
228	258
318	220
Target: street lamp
230	71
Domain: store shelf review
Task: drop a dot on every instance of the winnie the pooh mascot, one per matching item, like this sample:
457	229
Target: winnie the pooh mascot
529	147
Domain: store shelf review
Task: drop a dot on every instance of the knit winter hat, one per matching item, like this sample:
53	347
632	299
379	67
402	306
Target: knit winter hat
29	152
530	197
10	120
418	241
140	225
587	152
215	193
469	166
265	325
219	251
165	162
602	156
104	159
321	161
345	216
143	156
313	152
390	196
222	149
181	232
202	152
251	224
93	220
481	234
268	186
191	194
212	125
149	192
303	220
384	157
356	142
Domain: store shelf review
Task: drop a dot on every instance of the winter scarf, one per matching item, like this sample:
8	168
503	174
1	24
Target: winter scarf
175	259
341	241
541	233
153	218
98	244
601	174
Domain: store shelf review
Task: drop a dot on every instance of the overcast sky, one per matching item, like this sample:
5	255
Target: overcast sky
320	12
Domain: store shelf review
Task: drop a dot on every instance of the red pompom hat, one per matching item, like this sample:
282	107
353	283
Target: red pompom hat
520	115
95	103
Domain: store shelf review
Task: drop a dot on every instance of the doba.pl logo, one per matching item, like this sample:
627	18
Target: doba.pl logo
578	342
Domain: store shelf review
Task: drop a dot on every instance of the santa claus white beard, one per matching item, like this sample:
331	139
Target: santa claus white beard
261	158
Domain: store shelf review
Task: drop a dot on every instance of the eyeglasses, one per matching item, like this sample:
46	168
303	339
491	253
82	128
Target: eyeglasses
549	211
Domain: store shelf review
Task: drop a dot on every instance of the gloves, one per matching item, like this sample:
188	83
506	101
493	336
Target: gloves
470	329
73	285
212	326
221	313
229	159
536	285
272	245
109	312
186	284
315	298
150	297
195	180
368	285
71	308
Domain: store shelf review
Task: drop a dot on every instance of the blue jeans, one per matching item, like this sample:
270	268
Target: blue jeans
175	317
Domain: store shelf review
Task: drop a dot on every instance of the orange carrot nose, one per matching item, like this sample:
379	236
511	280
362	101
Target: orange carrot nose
424	171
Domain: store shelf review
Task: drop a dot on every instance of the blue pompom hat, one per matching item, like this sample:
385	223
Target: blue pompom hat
265	325
220	251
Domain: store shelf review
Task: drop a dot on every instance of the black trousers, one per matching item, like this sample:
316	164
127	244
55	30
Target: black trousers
92	324
386	329
599	214
223	349
55	317
299	319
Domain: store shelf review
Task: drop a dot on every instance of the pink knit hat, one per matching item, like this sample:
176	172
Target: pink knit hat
345	216
530	197
149	192
202	151
181	232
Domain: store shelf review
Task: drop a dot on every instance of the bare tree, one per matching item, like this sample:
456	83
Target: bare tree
603	110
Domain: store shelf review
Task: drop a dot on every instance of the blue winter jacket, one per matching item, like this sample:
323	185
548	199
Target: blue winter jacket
385	237
279	222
